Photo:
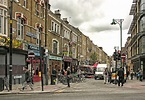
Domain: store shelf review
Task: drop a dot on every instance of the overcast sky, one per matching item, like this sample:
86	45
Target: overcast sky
93	18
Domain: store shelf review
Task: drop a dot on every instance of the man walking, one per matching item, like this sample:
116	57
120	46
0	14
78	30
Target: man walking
105	75
68	76
28	79
121	76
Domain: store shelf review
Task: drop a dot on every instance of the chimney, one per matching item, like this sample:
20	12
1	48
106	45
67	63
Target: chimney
65	20
57	13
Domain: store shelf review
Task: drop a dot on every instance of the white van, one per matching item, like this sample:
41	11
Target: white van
99	71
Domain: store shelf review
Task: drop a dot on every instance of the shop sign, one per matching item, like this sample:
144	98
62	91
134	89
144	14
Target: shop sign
55	58
33	47
66	58
5	41
31	35
36	52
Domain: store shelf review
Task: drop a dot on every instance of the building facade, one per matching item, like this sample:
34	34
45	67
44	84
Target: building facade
36	28
137	42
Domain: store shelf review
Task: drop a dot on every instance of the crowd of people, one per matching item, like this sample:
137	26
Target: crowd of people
120	75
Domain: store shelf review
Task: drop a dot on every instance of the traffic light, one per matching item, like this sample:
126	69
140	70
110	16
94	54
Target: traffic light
115	56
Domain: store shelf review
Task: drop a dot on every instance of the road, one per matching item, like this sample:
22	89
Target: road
89	90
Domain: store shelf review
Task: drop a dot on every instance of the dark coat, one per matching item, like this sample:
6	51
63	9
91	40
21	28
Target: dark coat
121	73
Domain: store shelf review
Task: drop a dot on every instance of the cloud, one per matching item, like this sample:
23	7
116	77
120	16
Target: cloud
93	18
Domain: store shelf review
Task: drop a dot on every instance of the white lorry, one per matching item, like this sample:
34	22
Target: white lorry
99	71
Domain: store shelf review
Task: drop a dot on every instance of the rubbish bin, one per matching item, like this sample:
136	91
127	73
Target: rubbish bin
1	84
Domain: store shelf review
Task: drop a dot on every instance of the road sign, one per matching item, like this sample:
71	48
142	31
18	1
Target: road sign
31	55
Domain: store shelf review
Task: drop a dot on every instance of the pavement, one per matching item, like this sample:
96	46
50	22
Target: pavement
136	84
16	89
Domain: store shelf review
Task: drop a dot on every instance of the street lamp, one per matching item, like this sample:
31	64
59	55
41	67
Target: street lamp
10	47
40	51
119	22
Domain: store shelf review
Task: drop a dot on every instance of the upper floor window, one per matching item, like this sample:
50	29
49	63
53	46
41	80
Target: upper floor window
74	52
142	5
36	8
3	2
20	27
55	47
66	34
3	21
39	31
142	24
25	3
74	38
142	45
42	12
55	27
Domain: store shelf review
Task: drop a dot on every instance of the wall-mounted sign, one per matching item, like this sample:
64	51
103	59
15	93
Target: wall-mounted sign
33	47
5	41
31	35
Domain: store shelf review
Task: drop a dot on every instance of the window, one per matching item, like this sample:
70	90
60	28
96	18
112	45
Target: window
142	45
3	22
55	27
20	28
74	52
66	34
42	12
25	3
142	5
55	47
74	38
142	24
36	8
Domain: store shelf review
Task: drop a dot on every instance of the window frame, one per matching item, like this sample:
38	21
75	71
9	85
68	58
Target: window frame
4	20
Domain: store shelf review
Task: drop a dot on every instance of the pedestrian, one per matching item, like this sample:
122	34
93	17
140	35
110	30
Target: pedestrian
105	73
6	83
121	76
79	73
28	79
131	74
141	74
109	76
53	76
68	76
127	74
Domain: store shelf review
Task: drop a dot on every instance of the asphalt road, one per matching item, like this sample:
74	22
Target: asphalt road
89	90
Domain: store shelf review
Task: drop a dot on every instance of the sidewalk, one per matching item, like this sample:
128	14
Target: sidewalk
37	89
135	84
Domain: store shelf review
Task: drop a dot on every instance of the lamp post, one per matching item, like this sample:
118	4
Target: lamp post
40	50
119	22
10	47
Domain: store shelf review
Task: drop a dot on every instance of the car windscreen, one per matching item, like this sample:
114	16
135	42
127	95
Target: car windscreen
100	69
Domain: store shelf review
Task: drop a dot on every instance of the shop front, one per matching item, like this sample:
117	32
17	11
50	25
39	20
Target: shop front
67	62
138	62
55	62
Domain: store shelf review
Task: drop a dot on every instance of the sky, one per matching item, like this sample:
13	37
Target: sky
94	17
